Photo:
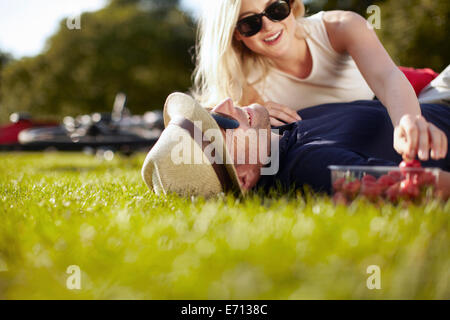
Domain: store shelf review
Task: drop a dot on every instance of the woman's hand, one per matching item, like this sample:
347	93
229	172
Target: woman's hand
443	185
279	113
415	136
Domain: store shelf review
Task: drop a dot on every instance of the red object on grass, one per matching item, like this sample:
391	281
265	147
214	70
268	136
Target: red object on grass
351	188
397	176
410	164
410	183
393	192
419	78
368	178
10	132
337	185
424	178
409	189
386	181
371	189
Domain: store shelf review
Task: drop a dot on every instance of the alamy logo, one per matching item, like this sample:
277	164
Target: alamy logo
374	280
184	152
374	20
74	22
73	282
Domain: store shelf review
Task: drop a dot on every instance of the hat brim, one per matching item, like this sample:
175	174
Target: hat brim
182	105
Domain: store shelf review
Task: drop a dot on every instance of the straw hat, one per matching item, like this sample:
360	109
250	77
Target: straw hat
184	160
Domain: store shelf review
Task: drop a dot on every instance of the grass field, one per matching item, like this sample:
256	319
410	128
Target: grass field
58	210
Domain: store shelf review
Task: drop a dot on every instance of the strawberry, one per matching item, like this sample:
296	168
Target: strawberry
351	188
338	184
410	164
371	190
409	189
340	198
425	179
385	181
396	175
410	169
368	178
393	192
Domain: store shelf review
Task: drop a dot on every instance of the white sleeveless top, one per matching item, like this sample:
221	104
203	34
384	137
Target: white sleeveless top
334	76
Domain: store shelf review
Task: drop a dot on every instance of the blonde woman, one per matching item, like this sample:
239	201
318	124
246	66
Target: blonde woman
266	52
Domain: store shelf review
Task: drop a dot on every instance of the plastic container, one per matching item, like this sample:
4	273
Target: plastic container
377	183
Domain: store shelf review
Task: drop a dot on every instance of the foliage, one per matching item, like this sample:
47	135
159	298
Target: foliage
416	32
128	46
150	4
5	58
359	6
58	210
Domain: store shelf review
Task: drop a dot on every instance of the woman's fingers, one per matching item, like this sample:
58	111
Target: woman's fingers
444	146
275	122
423	139
411	135
287	111
400	143
399	140
290	113
435	141
439	143
282	112
281	116
414	136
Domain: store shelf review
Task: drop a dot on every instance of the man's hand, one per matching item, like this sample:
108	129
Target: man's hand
415	136
279	113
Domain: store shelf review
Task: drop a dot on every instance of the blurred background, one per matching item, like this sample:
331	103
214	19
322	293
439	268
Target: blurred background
144	48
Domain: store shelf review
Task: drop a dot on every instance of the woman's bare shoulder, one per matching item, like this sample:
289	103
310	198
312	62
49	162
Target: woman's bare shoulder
335	18
338	23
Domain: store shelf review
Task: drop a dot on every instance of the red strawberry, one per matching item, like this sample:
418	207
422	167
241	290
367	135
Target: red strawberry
410	169
339	198
425	179
385	181
409	189
410	164
393	192
396	175
338	184
371	190
368	178
351	188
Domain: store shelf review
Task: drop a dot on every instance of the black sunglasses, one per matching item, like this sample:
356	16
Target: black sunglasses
276	12
225	121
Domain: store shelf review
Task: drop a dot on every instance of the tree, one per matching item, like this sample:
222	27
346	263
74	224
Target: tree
126	47
359	6
5	58
416	33
151	4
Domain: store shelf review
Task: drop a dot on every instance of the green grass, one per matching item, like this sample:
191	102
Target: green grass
62	209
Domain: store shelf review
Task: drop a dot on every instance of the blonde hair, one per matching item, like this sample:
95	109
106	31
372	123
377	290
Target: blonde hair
222	62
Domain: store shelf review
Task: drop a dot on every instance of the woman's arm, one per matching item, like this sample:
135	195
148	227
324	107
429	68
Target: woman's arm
350	33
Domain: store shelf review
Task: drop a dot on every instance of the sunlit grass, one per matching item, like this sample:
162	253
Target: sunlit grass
58	210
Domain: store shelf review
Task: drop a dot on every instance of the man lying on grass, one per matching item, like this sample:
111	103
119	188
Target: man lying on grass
206	152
